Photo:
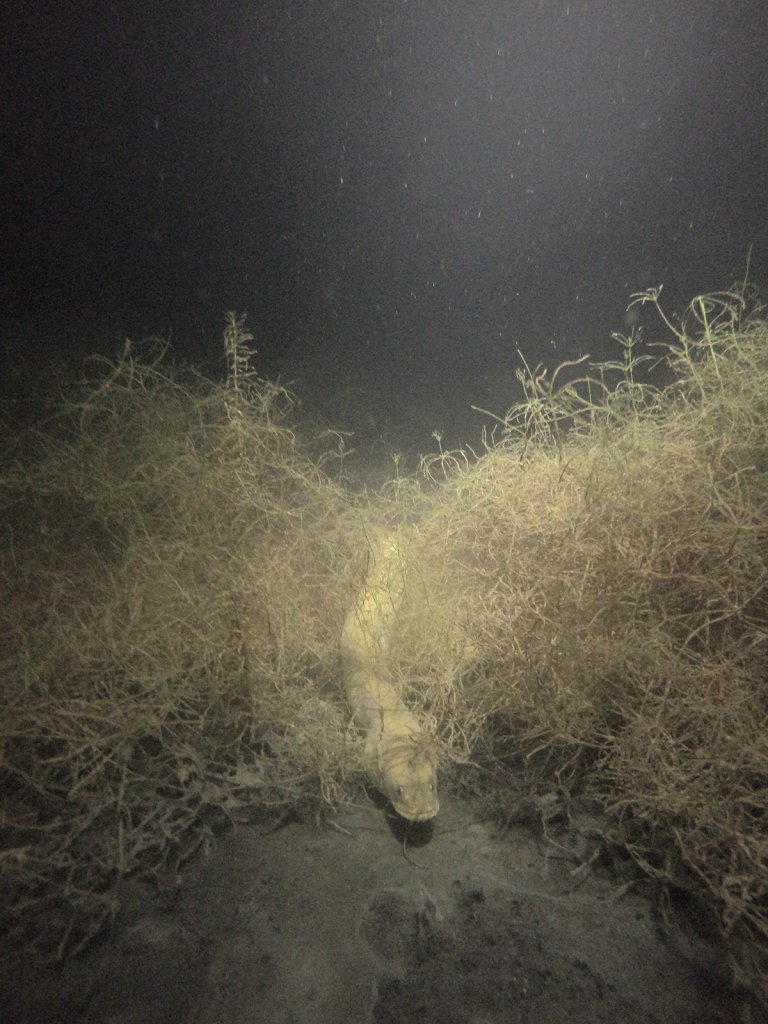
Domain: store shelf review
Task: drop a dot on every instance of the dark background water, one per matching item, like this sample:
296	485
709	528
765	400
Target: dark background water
400	195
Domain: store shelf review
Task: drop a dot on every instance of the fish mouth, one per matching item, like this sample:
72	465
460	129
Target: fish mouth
412	815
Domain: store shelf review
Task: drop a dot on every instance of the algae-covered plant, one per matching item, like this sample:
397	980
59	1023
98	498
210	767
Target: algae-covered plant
584	608
604	567
175	571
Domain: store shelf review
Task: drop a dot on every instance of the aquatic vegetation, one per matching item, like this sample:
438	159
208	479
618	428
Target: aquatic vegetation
586	608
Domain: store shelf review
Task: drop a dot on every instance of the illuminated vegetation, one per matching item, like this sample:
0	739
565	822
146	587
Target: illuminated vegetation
586	608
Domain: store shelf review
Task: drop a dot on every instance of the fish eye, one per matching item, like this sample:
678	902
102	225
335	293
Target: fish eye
400	792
